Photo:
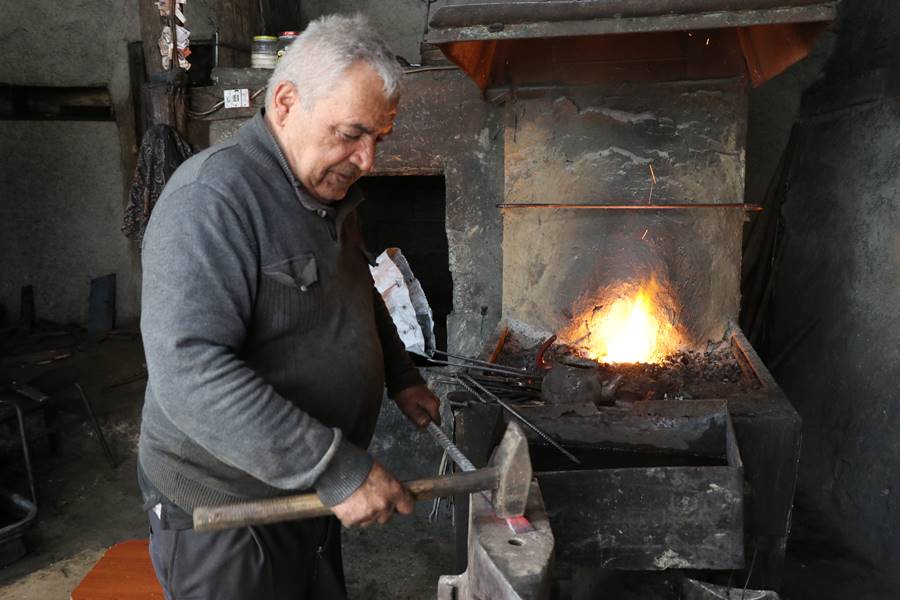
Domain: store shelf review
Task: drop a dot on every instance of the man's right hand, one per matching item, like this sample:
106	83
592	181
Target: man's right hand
375	501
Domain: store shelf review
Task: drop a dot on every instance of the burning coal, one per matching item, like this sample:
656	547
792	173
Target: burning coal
627	323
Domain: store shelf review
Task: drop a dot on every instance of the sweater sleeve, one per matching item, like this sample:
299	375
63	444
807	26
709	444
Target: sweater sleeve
200	270
399	370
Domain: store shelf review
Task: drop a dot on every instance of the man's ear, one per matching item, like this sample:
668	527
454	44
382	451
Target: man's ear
284	100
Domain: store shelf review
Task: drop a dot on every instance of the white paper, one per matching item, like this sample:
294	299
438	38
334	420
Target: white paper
237	98
405	300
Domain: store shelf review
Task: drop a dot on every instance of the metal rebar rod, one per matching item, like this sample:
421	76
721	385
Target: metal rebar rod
475	361
674	206
518	416
450	448
495	369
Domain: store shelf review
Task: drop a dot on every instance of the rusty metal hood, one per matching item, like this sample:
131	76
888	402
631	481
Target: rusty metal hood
770	34
487	19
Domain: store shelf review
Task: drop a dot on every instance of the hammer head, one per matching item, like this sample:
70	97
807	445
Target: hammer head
513	465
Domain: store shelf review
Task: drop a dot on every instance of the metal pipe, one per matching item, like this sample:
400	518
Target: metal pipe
680	206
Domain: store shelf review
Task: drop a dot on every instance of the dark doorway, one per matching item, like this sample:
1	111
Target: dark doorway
408	212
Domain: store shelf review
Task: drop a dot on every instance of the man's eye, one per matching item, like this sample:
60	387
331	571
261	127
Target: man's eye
350	137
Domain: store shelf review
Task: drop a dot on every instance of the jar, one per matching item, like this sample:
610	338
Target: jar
285	38
262	51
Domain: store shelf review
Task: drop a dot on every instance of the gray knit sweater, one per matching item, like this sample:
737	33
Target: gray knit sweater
267	346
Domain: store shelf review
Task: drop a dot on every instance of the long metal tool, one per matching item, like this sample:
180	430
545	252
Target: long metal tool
481	363
450	448
307	506
508	475
518	524
516	414
493	368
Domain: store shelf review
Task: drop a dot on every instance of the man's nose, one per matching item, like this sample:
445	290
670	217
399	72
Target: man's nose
364	156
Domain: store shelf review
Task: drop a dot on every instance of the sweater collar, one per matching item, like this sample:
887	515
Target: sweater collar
262	145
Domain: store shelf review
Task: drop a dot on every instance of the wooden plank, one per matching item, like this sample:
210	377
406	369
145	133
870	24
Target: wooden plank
238	22
648	519
124	573
278	16
151	28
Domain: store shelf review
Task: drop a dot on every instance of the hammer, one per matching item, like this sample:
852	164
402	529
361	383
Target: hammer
507	476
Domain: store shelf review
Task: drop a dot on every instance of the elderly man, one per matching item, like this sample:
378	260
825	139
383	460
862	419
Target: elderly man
267	346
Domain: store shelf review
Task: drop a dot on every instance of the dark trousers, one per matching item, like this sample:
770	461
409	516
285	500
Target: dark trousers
299	560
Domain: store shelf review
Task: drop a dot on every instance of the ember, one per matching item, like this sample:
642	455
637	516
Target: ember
684	375
632	323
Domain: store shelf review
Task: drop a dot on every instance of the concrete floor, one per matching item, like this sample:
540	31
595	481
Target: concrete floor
86	506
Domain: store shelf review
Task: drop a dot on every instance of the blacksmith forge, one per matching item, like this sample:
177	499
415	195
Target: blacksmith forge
606	151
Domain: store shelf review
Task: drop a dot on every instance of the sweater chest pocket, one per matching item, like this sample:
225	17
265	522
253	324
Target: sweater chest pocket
291	298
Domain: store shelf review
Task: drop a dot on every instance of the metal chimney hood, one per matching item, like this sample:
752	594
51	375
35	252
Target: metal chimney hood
484	37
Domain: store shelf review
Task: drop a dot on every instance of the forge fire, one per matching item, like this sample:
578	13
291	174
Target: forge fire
633	322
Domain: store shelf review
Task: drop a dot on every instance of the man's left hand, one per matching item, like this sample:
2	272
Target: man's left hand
419	405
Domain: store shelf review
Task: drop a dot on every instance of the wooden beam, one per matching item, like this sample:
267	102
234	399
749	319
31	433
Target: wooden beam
151	28
239	21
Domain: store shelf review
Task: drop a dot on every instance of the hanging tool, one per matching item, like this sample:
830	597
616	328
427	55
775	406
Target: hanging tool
508	475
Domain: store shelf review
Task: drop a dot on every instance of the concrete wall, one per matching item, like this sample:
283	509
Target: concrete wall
401	22
60	212
597	146
840	273
773	109
62	182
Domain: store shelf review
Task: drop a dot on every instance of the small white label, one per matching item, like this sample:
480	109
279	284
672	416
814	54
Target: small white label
237	98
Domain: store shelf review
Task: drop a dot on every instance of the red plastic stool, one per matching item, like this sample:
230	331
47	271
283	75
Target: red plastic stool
123	573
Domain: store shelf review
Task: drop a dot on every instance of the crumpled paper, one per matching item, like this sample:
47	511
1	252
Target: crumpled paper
183	49
405	300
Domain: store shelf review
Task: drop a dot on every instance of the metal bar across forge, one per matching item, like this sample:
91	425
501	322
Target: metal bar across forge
682	206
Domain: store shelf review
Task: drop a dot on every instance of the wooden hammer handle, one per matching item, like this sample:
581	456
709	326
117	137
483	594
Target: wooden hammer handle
307	506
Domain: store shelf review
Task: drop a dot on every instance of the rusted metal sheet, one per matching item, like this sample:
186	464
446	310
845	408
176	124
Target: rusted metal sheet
648	519
655	518
461	13
480	20
768	35
770	49
692	589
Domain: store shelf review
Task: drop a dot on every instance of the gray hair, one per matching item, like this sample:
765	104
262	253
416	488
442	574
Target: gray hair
315	61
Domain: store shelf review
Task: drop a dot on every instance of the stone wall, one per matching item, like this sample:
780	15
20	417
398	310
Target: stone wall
838	280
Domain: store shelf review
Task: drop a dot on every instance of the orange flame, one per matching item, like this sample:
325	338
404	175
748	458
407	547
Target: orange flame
633	325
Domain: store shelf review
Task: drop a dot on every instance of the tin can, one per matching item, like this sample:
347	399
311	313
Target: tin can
262	51
285	38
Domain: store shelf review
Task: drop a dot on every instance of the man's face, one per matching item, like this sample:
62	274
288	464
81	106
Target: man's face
331	144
